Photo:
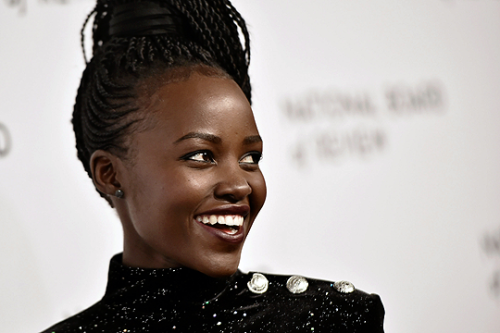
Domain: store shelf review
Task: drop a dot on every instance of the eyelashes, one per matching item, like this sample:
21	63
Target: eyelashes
251	158
207	157
204	156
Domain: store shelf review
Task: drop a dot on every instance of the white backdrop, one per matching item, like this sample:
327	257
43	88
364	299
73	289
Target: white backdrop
382	150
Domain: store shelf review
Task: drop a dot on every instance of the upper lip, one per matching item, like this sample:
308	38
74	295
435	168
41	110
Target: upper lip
241	210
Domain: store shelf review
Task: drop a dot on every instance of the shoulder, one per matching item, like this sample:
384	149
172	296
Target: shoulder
76	322
325	304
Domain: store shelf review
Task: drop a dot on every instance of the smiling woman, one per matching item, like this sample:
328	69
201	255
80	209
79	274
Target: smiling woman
197	162
164	127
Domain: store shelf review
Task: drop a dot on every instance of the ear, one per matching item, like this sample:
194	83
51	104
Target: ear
104	167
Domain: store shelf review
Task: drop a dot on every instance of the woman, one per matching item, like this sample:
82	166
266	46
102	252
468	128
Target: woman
165	129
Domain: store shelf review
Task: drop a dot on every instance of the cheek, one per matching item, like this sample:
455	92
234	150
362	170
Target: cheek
151	197
259	191
188	188
175	196
163	208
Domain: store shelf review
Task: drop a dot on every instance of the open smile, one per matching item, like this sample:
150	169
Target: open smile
229	224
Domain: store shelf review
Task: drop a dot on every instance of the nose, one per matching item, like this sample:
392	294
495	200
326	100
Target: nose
233	185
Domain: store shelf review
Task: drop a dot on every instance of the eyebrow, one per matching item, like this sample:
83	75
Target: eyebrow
252	139
215	139
204	136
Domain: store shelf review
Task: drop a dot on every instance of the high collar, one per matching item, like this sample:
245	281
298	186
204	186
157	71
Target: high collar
188	284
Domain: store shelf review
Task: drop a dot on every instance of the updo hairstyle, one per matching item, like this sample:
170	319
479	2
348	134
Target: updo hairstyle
132	43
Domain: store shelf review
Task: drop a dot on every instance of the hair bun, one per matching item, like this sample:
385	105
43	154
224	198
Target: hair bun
143	19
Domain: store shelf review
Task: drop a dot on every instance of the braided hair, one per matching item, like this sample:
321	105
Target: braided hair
106	107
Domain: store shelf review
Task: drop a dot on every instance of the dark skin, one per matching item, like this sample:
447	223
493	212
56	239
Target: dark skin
196	162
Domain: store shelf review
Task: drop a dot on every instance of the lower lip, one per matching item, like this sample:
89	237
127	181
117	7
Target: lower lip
236	238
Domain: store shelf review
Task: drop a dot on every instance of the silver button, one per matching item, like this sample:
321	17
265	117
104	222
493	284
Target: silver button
297	284
258	284
344	287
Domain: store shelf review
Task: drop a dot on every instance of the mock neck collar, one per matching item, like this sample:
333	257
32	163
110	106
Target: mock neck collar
171	282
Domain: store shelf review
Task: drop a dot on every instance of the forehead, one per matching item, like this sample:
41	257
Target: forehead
199	102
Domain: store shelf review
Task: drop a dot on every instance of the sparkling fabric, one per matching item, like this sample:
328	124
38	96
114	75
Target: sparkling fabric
183	300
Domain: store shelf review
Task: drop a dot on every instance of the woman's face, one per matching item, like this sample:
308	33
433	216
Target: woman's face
192	185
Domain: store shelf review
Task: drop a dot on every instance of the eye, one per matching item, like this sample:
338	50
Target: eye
204	156
251	158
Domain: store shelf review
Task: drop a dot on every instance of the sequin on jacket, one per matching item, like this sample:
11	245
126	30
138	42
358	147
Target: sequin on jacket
183	300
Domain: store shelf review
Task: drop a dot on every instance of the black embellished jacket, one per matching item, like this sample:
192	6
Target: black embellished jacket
183	300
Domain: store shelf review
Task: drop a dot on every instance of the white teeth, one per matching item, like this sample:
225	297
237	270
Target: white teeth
232	231
239	220
229	220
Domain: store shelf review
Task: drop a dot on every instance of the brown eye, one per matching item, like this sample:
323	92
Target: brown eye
203	156
251	158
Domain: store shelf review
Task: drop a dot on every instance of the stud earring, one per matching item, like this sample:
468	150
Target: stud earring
119	193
